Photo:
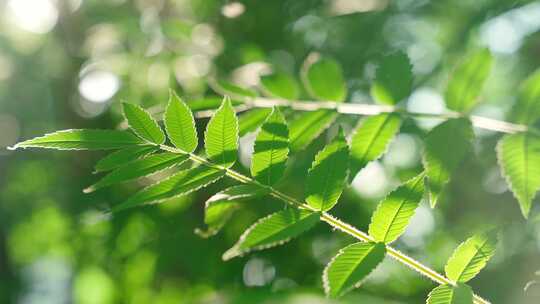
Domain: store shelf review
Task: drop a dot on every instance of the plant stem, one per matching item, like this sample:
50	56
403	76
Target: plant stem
327	218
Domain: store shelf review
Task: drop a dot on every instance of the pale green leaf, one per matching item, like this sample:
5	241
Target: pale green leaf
350	266
139	168
221	136
82	139
227	88
221	206
327	176
180	125
371	139
445	148
527	108
467	81
181	183
273	230
394	212
448	294
280	85
208	103
121	157
142	123
252	120
393	79
519	160
271	149
471	257
323	80
307	126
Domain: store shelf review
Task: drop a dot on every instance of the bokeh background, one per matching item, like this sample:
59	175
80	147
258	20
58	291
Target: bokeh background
69	63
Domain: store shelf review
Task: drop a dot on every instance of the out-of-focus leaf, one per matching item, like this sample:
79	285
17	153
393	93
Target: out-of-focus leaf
448	294
221	136
227	88
142	123
280	85
467	81
327	176
307	126
527	108
519	160
393	79
208	103
471	257
273	230
252	119
323	80
350	266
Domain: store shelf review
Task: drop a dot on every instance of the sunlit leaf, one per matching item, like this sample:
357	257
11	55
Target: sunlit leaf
467	81
139	168
307	126
180	125
121	157
323	80
445	147
252	120
228	88
393	79
350	266
208	103
221	136
82	139
142	123
273	230
221	206
271	149
471	257
371	139
448	294
181	183
527	108
394	212
327	176
280	85
519	160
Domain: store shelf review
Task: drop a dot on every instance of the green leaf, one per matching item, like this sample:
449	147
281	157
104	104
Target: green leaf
252	120
445	147
350	266
221	136
82	139
393	79
180	125
181	183
139	168
519	160
323	80
394	212
467	81
470	257
208	103
527	108
271	149
273	230
371	139
327	176
307	126
220	207
280	85
121	157
448	294
142	123
228	88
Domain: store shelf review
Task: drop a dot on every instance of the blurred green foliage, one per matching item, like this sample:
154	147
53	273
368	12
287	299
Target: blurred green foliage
68	63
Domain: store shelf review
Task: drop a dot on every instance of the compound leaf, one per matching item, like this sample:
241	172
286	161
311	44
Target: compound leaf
470	257
307	126
448	294
393	79
82	139
467	81
273	230
221	136
271	149
394	212
445	147
371	139
251	120
323	80
327	176
180	125
350	266
122	157
142	123
519	159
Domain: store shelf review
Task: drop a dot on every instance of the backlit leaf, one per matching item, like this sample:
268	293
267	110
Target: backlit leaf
142	123
221	136
527	108
121	157
252	120
393	79
323	80
471	257
448	294
180	125
280	85
307	126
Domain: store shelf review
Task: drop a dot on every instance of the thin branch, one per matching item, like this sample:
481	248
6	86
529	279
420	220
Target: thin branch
327	218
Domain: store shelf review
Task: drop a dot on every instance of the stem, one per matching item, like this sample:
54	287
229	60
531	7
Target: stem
327	218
